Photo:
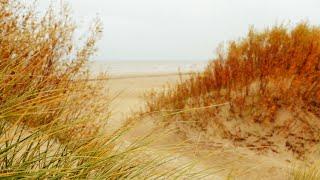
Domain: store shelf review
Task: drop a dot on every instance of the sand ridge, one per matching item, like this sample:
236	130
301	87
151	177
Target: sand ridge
225	160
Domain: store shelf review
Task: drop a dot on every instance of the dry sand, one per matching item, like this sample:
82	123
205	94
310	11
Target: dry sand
128	91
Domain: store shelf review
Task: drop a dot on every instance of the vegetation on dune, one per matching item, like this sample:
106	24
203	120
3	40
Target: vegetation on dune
266	86
306	173
51	115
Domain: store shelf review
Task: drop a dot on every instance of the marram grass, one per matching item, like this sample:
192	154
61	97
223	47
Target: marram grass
310	172
260	92
51	116
268	85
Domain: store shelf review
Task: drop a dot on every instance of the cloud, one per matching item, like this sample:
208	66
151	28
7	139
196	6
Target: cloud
182	29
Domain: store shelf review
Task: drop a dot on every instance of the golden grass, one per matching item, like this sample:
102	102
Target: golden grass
52	116
261	92
310	172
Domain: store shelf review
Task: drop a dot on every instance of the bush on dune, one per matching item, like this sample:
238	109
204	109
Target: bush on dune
268	85
39	80
52	115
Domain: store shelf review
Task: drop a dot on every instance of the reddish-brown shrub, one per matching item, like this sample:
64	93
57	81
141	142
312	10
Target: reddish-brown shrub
260	76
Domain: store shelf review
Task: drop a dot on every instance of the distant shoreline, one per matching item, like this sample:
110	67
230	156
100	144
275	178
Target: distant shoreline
133	69
147	75
137	76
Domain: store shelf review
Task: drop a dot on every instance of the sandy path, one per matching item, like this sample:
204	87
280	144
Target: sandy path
238	162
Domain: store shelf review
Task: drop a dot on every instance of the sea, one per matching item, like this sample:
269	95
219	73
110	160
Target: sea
146	67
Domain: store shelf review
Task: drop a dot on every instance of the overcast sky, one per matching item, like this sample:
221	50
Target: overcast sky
182	29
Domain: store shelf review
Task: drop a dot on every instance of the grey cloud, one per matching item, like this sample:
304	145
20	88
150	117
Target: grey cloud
182	29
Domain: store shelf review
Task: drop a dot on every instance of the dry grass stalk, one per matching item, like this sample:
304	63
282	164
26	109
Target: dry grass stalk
51	115
271	80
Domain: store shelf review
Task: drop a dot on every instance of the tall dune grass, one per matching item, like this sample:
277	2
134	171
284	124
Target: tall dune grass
263	86
311	172
51	116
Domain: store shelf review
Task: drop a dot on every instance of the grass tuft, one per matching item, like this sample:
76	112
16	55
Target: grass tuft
261	92
52	112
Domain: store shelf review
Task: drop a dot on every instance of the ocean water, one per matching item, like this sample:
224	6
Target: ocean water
146	67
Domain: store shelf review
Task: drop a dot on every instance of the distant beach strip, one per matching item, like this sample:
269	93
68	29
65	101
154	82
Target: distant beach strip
136	69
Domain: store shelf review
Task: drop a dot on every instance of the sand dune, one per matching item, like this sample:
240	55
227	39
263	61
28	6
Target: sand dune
223	158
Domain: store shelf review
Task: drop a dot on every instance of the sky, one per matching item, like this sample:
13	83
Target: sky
181	29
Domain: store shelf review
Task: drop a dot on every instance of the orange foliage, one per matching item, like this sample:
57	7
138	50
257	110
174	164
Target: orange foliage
259	75
43	76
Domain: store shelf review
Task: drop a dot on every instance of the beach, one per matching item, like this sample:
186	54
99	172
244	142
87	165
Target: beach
130	80
127	88
127	93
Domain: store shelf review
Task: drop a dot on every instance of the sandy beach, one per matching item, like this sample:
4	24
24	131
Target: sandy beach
130	80
127	91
